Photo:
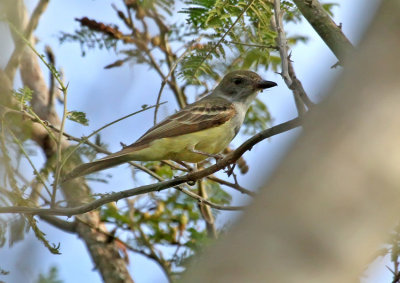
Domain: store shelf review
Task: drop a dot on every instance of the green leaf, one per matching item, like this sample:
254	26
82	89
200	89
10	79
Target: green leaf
23	95
78	117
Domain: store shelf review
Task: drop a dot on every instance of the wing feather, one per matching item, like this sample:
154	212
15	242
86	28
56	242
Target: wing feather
195	117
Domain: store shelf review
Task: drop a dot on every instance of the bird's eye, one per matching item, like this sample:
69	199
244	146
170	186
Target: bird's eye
237	81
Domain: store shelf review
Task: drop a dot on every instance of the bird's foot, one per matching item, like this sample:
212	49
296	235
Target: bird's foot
229	169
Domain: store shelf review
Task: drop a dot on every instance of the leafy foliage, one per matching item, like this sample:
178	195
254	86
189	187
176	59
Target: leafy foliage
213	19
79	117
23	96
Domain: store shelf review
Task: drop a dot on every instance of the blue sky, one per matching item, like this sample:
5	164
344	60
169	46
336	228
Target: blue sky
106	95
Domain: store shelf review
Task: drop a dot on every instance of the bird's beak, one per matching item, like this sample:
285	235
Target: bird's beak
265	84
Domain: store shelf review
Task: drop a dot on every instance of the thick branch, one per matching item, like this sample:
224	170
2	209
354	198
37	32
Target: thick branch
326	28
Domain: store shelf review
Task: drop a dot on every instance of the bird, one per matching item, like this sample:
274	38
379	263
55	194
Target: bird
198	131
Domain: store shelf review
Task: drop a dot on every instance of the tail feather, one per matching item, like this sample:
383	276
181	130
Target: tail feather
91	167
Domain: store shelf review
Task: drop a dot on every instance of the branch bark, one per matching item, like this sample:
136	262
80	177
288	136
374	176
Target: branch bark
326	28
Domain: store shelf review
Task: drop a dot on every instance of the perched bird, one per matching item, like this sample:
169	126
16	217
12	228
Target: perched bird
199	130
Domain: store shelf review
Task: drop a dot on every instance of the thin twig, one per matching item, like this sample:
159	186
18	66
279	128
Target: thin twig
36	172
233	186
59	223
193	176
281	41
254	45
102	128
59	148
176	167
165	79
202	200
34	118
37	119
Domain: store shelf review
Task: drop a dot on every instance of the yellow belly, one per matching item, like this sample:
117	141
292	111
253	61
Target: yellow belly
211	141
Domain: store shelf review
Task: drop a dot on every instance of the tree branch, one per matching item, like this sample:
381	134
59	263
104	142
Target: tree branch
232	185
193	176
166	78
326	28
288	74
59	223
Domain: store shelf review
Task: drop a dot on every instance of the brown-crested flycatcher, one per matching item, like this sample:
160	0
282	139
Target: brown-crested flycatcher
201	129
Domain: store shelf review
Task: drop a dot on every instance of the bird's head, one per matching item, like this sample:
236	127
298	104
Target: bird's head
242	85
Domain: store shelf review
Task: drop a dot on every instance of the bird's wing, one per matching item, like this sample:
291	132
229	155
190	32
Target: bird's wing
201	115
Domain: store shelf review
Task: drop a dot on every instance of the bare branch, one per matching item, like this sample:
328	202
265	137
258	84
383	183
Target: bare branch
81	141
166	78
59	147
60	224
288	74
203	200
234	186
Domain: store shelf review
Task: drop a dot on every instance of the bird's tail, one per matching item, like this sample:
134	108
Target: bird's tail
98	165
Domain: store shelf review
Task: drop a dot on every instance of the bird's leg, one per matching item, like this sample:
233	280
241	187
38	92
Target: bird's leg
216	156
188	167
